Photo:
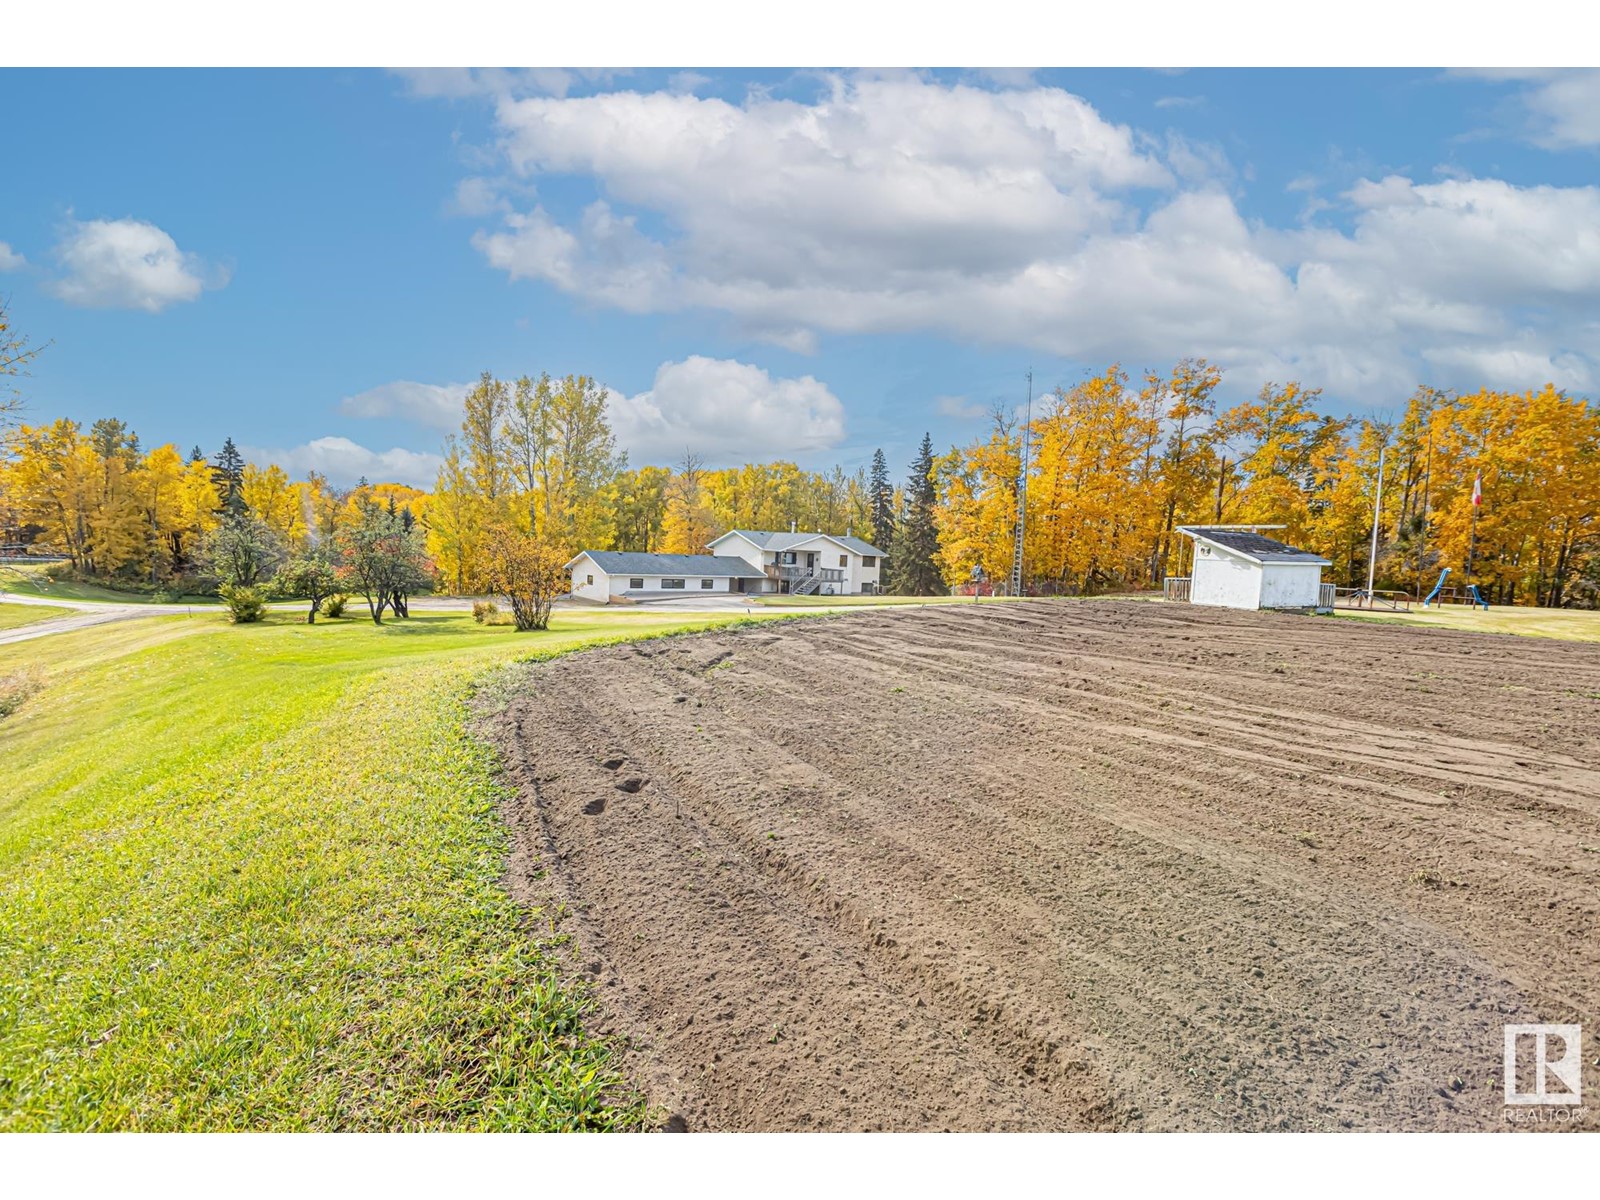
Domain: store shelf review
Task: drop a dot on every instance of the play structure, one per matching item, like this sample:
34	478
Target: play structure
1442	595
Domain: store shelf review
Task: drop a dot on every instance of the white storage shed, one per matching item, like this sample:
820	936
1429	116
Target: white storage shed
1240	568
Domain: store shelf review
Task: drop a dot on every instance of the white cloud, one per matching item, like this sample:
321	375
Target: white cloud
1022	217
438	406
1196	163
687	82
884	186
724	410
476	196
1477	239
1562	107
718	408
344	462
1180	101
1006	77
128	264
457	83
1567	107
1512	368
959	408
10	260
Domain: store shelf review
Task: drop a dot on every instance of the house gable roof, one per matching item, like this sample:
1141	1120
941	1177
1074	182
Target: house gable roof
627	562
1253	546
772	539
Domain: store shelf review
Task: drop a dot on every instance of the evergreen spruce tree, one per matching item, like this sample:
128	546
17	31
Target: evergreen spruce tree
228	473
914	571
197	455
880	494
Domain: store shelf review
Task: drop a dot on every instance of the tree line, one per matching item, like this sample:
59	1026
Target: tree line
161	522
1115	466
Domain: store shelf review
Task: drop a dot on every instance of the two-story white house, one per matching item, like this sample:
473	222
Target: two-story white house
822	564
741	561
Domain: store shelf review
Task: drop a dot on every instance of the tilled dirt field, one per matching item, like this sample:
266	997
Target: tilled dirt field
1074	865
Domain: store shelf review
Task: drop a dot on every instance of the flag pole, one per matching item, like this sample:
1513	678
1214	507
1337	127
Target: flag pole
1422	534
1472	540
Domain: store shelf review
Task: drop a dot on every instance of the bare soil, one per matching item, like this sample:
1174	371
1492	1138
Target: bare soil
1069	865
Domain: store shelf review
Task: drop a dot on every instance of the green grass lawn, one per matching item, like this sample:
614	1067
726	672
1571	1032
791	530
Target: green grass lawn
1568	624
13	616
39	581
250	878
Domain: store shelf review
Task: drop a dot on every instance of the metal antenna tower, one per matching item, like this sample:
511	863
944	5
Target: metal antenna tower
1022	495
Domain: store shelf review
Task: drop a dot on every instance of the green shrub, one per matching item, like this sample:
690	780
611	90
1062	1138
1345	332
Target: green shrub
484	611
245	604
333	606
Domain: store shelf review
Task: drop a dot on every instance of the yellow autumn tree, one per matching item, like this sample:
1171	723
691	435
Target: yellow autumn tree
1093	514
1280	447
275	501
976	514
688	526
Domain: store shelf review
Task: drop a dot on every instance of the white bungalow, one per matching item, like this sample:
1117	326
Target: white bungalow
1236	567
607	575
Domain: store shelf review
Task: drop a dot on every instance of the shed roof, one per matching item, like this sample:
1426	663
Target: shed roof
773	539
1248	544
626	562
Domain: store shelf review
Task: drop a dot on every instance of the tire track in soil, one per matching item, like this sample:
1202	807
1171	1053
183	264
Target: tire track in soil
1067	865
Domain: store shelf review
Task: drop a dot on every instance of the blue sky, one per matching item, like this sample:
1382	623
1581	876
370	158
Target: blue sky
767	264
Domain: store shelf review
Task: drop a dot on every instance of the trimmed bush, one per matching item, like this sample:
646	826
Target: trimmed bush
333	606
485	611
245	604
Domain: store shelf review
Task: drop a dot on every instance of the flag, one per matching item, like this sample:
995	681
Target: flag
1477	491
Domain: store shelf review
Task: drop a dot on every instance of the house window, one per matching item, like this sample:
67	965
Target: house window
589	579
672	583
844	560
708	583
636	583
869	560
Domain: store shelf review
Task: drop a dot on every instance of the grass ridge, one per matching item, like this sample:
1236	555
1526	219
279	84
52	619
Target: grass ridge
252	878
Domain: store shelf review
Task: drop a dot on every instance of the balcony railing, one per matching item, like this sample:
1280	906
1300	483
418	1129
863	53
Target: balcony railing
790	571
